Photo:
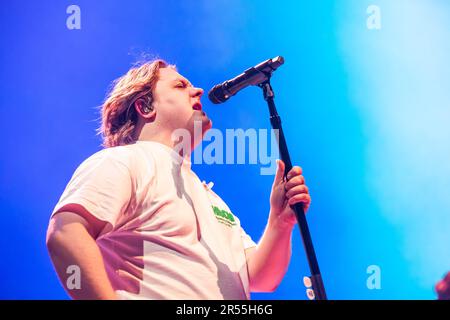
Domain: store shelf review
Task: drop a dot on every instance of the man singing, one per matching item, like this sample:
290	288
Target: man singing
138	223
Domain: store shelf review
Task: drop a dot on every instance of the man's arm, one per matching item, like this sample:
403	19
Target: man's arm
70	241
268	262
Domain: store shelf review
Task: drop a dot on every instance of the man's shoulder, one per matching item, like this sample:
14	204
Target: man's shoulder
119	156
118	153
139	159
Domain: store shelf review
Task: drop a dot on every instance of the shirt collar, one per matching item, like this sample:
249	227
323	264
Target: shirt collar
178	159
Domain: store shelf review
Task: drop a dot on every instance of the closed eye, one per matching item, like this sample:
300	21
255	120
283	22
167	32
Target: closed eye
182	84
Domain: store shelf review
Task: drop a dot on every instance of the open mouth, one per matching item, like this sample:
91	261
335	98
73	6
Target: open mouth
197	106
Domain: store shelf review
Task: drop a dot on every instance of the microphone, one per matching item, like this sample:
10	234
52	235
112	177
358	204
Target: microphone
252	76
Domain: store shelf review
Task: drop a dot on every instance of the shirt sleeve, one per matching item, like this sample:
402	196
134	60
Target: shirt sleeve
247	240
102	184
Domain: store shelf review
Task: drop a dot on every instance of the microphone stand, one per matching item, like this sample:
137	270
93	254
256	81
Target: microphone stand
316	278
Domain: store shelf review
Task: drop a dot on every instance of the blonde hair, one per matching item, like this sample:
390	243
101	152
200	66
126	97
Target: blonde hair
118	115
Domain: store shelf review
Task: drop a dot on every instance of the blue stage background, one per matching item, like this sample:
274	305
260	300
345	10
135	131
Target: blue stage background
365	113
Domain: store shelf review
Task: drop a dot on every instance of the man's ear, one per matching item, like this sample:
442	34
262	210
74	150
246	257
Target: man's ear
144	108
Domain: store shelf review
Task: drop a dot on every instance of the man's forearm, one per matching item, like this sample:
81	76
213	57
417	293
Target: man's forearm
268	263
73	245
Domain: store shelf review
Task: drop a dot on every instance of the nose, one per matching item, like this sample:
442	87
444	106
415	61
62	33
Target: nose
197	92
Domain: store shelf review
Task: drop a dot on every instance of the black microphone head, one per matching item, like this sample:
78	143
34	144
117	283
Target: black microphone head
252	76
217	95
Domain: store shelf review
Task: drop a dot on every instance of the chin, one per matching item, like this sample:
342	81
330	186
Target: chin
206	125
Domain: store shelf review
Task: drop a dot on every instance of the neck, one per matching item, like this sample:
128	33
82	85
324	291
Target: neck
151	133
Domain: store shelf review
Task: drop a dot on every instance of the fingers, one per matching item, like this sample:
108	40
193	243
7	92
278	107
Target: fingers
294	187
295	181
279	176
302	197
298	189
295	171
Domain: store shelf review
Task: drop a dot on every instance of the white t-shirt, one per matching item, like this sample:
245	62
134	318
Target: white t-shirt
169	235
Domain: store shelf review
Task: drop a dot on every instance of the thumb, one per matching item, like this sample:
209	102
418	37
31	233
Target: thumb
279	176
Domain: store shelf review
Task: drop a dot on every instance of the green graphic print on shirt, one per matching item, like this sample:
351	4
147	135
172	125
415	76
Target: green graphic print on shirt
224	217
